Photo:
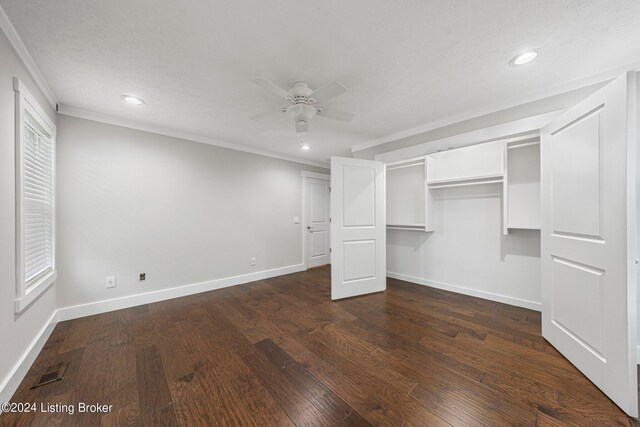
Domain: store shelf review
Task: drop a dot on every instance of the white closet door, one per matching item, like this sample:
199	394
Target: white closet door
358	227
588	243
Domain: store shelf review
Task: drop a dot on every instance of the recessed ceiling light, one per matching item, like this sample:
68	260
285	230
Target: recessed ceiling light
305	147
524	57
132	99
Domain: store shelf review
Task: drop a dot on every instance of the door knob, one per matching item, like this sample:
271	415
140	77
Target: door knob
309	227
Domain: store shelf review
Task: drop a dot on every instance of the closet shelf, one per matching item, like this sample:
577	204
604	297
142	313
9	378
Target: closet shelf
523	227
406	164
473	180
411	227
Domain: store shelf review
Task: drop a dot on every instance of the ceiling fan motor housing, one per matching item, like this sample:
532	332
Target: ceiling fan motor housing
300	94
301	111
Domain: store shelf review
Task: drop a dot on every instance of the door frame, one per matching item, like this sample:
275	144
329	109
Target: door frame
303	219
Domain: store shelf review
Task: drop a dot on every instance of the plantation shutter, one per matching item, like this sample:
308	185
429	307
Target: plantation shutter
38	200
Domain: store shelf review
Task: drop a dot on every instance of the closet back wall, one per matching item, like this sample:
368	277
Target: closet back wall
133	202
468	251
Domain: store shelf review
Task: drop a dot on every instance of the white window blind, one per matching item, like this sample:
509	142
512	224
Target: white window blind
38	200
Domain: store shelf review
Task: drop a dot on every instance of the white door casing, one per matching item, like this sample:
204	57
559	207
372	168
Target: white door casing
358	227
316	224
588	239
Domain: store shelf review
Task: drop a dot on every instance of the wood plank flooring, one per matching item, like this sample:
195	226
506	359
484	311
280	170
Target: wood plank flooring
279	352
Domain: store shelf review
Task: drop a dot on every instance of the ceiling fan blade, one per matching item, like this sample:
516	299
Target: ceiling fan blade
302	126
271	87
266	115
332	113
329	91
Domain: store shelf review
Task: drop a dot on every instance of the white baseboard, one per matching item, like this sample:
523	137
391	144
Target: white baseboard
19	371
531	305
89	309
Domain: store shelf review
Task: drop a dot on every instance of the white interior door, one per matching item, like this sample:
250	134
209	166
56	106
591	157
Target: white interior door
588	239
317	222
358	227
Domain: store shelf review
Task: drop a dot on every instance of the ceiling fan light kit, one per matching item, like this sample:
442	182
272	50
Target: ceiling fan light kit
304	103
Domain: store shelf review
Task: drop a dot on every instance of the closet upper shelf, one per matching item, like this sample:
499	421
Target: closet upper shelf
476	164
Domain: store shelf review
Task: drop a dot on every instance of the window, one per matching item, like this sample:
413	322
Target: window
35	198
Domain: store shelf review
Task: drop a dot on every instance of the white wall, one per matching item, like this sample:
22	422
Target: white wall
179	211
17	332
468	252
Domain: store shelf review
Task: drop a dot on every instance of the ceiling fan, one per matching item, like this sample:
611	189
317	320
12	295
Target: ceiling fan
304	103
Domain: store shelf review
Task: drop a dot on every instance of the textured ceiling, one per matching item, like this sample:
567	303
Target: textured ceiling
405	63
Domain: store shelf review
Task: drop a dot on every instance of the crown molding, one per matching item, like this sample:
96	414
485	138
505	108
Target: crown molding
131	124
21	50
514	102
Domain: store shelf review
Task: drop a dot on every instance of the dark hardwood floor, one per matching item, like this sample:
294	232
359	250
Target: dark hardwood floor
279	352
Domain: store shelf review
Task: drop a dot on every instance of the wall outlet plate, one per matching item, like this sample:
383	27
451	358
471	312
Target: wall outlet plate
111	281
253	260
143	277
296	220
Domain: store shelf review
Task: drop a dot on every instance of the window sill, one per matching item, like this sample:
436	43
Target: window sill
34	291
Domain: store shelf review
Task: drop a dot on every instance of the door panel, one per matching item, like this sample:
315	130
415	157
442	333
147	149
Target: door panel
358	196
578	302
319	199
318	242
588	239
576	170
358	256
359	260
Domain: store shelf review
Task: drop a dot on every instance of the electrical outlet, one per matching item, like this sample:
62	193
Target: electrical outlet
111	281
253	260
296	220
143	277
